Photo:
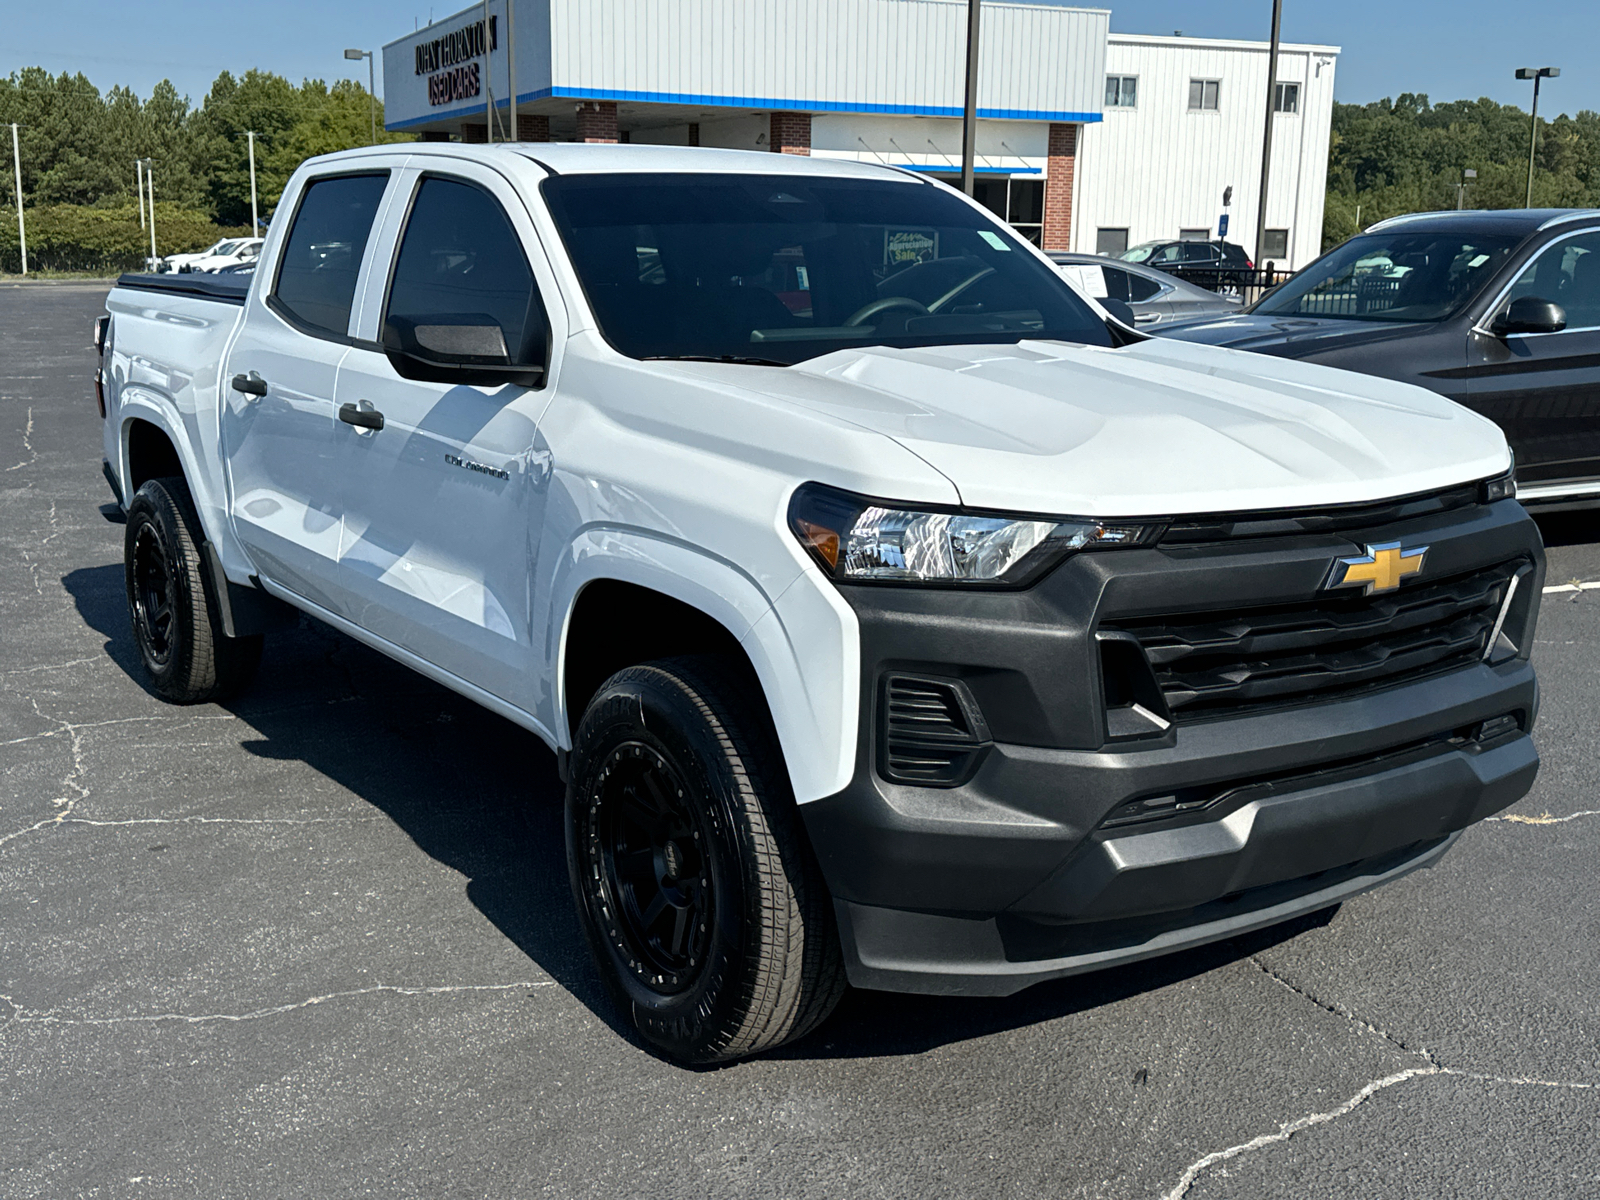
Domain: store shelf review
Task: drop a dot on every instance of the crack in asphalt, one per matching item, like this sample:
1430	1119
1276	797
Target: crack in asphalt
71	781
27	444
1288	1129
1545	818
20	1014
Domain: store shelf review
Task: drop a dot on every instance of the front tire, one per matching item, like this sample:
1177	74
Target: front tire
703	906
176	624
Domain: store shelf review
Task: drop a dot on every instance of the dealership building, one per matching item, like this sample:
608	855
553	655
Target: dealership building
1087	140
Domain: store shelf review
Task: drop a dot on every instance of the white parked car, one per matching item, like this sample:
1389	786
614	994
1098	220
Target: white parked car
895	615
245	250
178	262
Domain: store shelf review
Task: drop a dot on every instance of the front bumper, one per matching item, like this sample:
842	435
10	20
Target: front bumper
1012	876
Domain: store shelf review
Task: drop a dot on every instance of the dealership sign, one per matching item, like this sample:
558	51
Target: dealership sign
447	62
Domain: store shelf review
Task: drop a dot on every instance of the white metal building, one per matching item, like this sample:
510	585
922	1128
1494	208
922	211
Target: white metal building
882	81
1183	123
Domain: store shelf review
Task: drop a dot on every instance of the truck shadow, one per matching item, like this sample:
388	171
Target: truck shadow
482	796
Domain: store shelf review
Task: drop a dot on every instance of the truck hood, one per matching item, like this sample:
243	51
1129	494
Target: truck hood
1159	427
1289	337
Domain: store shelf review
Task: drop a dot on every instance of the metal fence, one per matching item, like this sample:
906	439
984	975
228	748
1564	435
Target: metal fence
1247	286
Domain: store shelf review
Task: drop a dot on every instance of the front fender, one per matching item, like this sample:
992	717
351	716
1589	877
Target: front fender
804	646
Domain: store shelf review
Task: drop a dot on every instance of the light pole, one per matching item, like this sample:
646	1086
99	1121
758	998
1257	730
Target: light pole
255	220
1266	142
969	110
150	182
22	229
1535	74
511	67
372	89
138	187
1467	176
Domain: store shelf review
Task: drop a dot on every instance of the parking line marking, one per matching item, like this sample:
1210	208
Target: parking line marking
1573	587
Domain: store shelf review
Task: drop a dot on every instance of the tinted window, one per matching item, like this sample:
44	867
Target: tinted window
322	258
1568	273
460	259
789	267
1139	288
1199	252
1393	276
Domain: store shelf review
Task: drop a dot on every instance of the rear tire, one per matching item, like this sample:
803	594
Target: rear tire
702	903
176	623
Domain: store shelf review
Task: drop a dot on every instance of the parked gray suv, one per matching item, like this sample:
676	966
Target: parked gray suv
1497	310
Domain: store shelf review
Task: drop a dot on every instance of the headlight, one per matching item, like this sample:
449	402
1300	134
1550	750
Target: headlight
1501	487
856	539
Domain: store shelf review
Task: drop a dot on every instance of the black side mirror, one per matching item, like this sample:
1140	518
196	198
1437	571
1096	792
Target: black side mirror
465	348
1120	309
1529	314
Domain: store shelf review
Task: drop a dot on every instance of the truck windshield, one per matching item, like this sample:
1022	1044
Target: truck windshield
781	268
1398	276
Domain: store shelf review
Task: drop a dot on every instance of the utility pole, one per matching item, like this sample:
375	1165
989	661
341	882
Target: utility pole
1266	141
138	187
372	92
22	229
1467	177
969	111
511	67
488	75
255	219
1535	74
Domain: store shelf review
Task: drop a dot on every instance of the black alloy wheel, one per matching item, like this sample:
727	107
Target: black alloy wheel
176	621
656	877
700	898
153	593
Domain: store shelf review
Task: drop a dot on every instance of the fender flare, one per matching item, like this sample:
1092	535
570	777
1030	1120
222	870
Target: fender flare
804	643
135	403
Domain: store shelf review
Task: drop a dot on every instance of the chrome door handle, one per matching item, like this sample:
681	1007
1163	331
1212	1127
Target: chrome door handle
251	385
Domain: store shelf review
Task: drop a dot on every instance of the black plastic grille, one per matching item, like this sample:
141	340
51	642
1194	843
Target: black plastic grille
1211	664
930	737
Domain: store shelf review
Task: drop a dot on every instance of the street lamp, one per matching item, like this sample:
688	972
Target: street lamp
150	182
1467	176
1535	74
372	88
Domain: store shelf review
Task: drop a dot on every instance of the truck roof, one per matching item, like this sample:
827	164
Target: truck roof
579	158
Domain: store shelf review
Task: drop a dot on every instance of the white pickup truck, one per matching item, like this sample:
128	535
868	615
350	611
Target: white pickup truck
897	615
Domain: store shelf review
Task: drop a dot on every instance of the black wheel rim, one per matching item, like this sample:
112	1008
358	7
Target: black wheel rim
650	854
154	601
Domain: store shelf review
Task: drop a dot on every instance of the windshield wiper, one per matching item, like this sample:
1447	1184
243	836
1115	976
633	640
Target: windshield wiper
743	359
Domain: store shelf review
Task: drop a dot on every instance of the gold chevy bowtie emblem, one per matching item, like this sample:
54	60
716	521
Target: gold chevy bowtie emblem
1380	569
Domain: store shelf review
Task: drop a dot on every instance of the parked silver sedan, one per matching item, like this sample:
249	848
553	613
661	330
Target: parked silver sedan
1153	295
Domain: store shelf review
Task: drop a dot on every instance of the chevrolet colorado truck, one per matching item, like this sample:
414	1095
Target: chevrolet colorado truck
898	616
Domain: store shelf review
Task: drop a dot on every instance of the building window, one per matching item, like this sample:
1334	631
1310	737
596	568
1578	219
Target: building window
1275	244
1017	200
1110	242
1203	94
1288	98
1122	91
1194	235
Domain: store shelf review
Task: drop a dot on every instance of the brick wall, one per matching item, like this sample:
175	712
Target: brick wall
789	133
597	121
475	134
1063	152
433	135
533	128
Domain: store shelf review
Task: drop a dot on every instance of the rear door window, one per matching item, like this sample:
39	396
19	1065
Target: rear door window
322	256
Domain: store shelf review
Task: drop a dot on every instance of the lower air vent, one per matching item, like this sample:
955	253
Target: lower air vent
932	732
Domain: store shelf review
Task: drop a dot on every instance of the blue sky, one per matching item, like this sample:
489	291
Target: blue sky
1450	49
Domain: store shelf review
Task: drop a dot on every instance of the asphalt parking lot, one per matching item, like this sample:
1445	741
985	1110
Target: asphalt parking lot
318	942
